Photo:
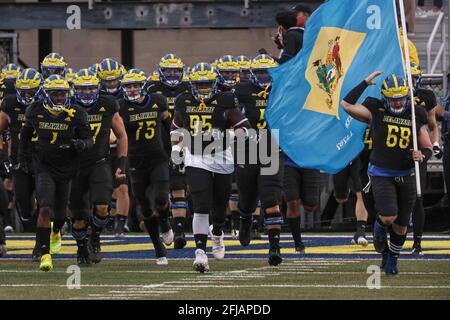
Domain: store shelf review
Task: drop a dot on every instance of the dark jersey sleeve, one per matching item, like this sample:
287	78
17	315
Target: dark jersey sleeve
421	117
111	101
123	110
234	116
161	101
26	133
426	99
82	130
372	104
7	102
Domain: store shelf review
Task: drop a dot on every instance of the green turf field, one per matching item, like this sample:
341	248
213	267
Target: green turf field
228	279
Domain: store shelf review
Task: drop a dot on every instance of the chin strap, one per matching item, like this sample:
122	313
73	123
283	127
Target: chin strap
70	112
264	93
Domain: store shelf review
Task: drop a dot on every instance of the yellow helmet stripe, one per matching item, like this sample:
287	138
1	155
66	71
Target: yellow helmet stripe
25	76
395	81
36	76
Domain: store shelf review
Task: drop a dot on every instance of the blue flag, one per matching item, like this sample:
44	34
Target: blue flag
344	42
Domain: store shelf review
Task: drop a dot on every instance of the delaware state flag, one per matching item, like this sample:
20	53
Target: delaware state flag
344	42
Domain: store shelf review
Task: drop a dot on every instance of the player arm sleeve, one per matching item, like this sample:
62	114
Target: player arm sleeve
26	133
83	132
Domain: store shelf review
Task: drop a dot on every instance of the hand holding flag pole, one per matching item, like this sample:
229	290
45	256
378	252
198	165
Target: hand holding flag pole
411	95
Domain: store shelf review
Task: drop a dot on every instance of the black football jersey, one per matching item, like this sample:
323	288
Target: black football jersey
16	113
425	98
205	123
53	151
143	126
392	138
6	88
253	106
169	93
99	117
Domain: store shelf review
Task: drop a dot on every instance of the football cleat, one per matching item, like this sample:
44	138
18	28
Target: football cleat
95	251
234	233
9	229
299	248
201	261
275	256
55	241
46	263
417	249
218	246
245	232
179	241
379	237
83	259
167	237
162	261
36	254
391	268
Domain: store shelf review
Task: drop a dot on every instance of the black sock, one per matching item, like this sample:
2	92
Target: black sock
396	243
153	231
164	222
235	216
121	220
418	218
179	224
330	210
200	241
294	225
256	222
97	225
43	237
81	243
361	227
217	229
57	225
274	238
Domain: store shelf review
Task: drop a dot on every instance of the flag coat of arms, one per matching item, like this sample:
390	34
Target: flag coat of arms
344	42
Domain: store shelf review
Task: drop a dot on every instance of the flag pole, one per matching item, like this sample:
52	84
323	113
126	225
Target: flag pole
411	93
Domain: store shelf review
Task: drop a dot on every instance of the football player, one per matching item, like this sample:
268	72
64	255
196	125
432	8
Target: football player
170	84
93	185
228	70
244	64
391	166
142	114
62	134
53	63
341	182
110	72
12	117
8	76
252	183
200	122
427	99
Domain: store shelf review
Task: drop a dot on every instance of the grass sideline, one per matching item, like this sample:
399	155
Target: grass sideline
228	279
